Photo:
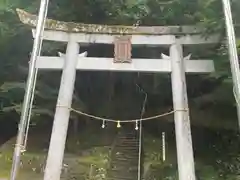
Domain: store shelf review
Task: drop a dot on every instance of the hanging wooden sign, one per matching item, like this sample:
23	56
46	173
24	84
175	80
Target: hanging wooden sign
122	49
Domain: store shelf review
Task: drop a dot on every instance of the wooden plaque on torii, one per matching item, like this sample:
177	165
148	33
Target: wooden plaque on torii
122	49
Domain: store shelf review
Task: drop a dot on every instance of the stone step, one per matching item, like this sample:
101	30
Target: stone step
124	152
125	159
130	135
116	169
124	165
122	141
127	147
122	178
121	150
131	143
128	132
124	168
127	141
132	169
127	154
123	175
127	137
126	144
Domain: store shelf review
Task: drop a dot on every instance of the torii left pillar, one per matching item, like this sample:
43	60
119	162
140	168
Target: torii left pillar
62	114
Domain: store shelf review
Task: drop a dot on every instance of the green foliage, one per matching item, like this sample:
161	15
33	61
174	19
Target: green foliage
15	56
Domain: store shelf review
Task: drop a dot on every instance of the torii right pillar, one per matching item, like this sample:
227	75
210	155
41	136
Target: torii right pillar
185	158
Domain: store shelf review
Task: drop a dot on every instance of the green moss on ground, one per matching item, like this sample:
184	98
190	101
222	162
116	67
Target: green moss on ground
207	166
88	162
88	155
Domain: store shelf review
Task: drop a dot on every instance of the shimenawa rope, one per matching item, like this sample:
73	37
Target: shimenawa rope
122	121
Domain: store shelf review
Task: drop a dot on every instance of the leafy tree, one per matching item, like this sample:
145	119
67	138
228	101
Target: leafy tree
15	56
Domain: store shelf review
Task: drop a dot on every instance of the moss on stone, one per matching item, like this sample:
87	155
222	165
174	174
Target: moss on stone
31	20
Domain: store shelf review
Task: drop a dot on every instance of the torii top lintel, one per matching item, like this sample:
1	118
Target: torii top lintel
31	20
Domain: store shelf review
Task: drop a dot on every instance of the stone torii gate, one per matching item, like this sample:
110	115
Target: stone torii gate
75	34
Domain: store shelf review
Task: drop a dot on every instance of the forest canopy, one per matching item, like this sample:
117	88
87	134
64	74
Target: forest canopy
16	45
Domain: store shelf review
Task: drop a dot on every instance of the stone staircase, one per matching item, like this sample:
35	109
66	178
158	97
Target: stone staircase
124	159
